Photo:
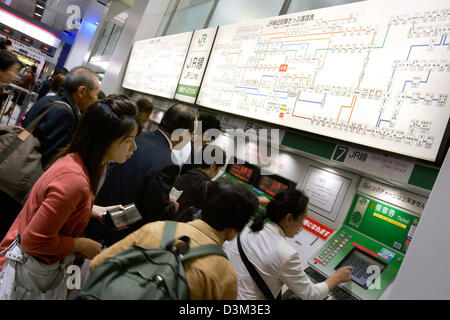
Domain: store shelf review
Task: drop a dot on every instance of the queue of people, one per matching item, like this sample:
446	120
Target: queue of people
98	158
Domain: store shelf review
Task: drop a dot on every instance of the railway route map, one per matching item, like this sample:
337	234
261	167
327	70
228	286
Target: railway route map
155	65
375	73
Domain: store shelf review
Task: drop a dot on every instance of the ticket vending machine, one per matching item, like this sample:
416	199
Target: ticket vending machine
261	185
351	220
373	239
330	191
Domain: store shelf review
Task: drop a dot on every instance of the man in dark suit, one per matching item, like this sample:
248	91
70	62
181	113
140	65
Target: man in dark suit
54	132
148	176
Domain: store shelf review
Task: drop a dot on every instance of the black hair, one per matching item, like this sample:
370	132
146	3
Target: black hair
58	71
80	76
144	105
7	60
212	151
228	204
5	43
34	68
284	202
178	117
101	95
209	121
101	124
57	83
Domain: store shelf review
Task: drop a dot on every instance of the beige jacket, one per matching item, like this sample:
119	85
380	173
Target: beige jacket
209	277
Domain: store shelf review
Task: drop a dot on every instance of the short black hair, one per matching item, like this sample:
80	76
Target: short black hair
178	116
144	105
228	204
5	43
208	121
34	68
58	71
101	95
7	60
57	83
212	151
79	76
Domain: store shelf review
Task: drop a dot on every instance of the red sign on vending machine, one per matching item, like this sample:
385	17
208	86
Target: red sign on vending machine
316	228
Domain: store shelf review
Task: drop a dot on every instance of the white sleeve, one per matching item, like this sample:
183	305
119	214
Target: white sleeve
297	281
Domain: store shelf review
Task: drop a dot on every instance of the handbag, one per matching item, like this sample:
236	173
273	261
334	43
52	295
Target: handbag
20	159
23	277
254	274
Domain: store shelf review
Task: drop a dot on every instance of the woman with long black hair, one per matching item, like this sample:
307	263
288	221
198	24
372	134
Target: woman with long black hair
265	245
46	236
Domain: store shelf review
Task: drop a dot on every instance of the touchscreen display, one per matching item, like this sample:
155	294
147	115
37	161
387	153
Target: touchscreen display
364	267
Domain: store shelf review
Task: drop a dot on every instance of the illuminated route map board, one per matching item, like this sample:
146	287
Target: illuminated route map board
374	73
155	65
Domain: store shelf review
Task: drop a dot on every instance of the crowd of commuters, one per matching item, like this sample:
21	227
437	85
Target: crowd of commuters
98	157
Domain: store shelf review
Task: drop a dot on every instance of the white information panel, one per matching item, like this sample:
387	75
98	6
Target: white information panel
195	65
322	189
374	73
155	64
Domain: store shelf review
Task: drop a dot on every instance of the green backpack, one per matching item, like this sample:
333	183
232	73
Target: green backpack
142	273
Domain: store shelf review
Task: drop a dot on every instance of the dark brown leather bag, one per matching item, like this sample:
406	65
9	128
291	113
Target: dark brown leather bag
20	159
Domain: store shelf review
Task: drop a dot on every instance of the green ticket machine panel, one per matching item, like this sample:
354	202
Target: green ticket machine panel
374	240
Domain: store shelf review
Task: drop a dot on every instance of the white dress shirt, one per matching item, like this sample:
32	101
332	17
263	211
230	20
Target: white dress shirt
182	155
276	261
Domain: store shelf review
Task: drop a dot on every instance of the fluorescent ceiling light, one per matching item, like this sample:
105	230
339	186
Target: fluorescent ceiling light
29	29
39	6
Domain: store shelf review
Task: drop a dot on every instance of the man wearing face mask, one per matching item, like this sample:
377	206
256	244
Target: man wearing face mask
147	178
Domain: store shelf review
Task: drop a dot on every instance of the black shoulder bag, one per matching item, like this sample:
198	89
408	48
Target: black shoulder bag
255	275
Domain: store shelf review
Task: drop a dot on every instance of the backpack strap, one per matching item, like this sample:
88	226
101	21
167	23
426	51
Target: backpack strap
204	250
168	233
33	124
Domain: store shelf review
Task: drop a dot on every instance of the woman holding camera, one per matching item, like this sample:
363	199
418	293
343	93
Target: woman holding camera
46	235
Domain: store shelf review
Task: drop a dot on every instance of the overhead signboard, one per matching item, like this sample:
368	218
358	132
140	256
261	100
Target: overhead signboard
34	31
195	65
374	73
155	65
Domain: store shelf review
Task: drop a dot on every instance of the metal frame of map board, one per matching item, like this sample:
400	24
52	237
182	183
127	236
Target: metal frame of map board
384	135
135	64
